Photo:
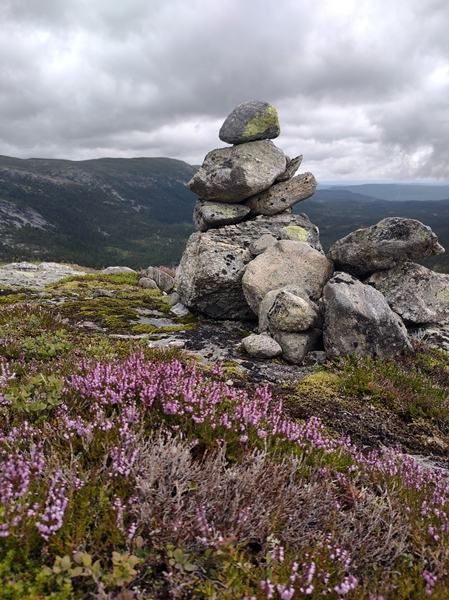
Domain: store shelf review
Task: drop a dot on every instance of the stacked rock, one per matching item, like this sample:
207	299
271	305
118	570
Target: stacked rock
253	259
246	193
251	178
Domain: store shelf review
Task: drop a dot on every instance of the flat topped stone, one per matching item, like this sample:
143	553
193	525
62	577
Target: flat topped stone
250	121
261	346
281	196
234	174
208	215
116	270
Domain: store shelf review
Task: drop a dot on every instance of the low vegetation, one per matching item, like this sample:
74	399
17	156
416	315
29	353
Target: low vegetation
131	473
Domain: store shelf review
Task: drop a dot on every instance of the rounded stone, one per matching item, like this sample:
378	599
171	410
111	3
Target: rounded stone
286	263
147	283
250	121
164	281
261	346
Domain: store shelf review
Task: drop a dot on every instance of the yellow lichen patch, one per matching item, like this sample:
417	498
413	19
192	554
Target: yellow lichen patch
261	123
443	295
320	385
296	233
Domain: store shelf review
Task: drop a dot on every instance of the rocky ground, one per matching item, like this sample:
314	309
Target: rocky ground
305	390
36	276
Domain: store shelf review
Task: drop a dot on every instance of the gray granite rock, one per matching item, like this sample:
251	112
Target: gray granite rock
261	346
386	245
295	346
30	275
147	283
103	293
281	196
287	262
260	245
286	309
179	310
115	270
174	298
417	294
164	281
209	215
293	165
250	121
358	320
209	277
234	174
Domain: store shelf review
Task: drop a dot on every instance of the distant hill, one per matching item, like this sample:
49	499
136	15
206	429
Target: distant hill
97	212
138	212
399	192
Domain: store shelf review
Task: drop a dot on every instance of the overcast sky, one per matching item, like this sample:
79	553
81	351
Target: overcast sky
361	86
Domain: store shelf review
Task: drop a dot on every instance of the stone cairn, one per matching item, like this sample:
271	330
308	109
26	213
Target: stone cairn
251	258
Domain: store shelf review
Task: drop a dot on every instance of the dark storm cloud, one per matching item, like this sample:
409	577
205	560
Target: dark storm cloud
361	87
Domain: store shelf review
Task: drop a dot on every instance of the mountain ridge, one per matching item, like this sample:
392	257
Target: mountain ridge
97	211
138	211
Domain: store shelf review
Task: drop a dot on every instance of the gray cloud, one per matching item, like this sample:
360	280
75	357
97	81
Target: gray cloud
361	87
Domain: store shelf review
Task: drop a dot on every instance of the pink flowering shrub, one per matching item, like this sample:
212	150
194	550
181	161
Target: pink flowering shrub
131	477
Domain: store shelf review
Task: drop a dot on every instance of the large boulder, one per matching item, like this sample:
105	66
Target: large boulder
286	309
357	319
383	246
209	215
286	263
234	174
250	121
417	294
283	195
209	276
